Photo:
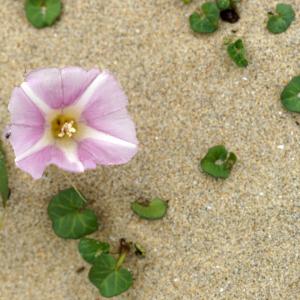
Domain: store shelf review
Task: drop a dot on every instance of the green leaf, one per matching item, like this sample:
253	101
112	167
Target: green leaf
218	162
187	1
282	21
90	249
290	96
69	215
42	13
237	53
110	280
207	21
223	4
153	210
4	189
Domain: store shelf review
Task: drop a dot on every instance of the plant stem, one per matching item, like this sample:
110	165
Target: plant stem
121	260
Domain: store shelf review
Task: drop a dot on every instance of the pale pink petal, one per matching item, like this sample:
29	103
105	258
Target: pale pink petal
36	163
92	152
59	88
117	124
23	111
74	81
46	84
102	97
23	137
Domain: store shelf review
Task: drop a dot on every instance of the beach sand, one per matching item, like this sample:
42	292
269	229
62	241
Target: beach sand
233	239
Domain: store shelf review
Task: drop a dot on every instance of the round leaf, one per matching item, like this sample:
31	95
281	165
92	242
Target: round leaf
109	280
70	219
153	210
90	249
282	21
42	13
207	21
290	96
217	162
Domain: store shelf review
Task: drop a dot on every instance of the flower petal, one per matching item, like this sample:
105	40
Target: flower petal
24	137
59	88
97	147
23	111
74	81
117	124
104	94
46	84
36	163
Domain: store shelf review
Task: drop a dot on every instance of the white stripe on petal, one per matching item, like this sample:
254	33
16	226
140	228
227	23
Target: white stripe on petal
35	99
46	140
88	93
70	151
86	132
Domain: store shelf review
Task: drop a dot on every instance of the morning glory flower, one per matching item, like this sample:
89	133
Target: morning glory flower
72	118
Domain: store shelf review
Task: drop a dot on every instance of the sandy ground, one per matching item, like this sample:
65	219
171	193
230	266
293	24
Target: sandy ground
233	239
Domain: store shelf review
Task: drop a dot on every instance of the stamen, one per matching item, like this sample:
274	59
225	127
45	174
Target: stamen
67	129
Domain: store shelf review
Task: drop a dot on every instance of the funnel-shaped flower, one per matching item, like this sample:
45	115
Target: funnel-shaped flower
72	118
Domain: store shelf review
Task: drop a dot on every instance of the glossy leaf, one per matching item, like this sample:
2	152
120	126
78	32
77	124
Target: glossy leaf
290	96
42	13
218	162
108	278
206	21
90	249
69	215
153	210
282	21
4	189
237	53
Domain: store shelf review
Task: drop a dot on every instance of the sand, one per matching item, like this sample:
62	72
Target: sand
233	239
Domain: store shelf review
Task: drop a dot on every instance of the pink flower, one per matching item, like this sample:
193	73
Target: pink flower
71	118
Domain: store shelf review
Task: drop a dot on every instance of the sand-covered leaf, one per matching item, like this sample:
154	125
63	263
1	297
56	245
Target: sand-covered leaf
150	210
237	53
207	20
218	162
4	189
69	215
108	277
42	13
90	249
282	20
290	96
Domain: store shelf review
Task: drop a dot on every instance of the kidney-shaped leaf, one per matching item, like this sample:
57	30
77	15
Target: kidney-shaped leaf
152	210
218	162
90	249
282	21
42	13
290	96
207	21
107	278
69	215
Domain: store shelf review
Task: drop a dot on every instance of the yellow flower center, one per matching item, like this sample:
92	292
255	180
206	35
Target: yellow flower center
63	126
